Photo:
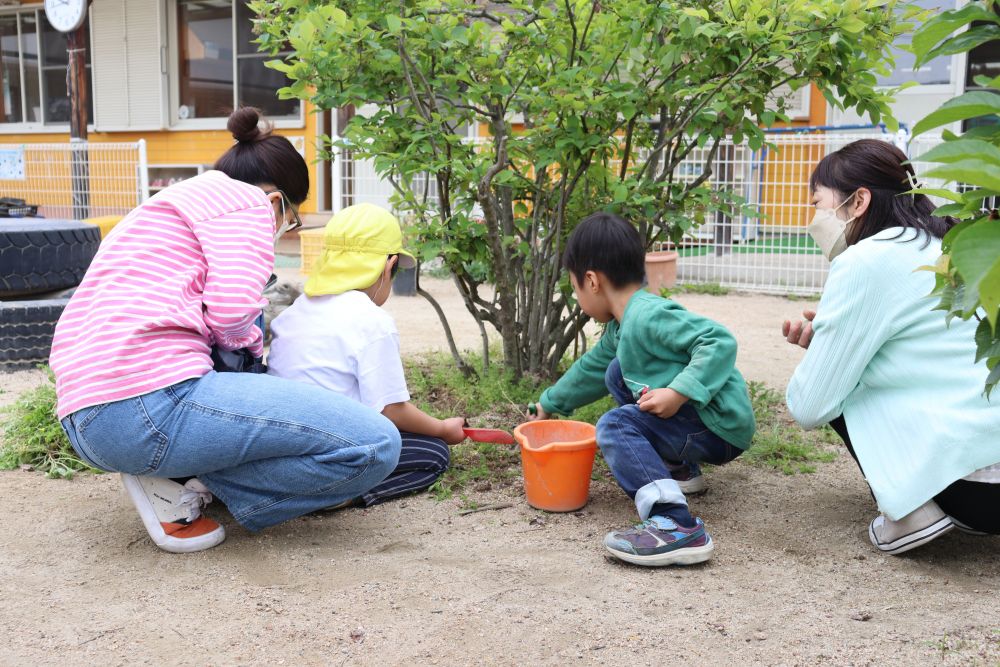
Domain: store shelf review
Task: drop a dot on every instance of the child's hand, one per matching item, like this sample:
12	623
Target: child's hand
799	333
663	403
538	413
451	430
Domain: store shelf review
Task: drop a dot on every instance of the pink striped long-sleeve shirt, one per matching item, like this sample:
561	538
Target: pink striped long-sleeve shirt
180	273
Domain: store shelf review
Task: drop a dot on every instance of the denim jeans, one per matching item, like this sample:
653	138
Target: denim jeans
639	445
270	449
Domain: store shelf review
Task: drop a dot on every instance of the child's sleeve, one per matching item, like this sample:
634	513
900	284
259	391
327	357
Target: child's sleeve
381	380
711	348
583	383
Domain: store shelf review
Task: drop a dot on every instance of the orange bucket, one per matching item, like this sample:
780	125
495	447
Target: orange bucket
557	456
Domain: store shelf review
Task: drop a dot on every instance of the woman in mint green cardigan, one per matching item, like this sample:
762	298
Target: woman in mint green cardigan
893	379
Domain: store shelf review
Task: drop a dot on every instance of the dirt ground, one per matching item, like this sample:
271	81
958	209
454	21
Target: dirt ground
794	580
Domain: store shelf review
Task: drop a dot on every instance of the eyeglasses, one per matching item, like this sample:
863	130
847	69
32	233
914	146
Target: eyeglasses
286	203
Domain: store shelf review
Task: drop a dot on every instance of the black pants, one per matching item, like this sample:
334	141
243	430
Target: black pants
975	504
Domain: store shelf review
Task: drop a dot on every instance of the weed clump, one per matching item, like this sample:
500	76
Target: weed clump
781	444
33	437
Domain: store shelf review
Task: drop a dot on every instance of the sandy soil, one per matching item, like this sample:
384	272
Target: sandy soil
793	581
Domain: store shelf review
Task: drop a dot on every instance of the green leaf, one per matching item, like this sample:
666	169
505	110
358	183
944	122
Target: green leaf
974	172
942	25
950	195
698	13
394	24
992	380
987	342
621	193
975	254
853	25
963	107
962	149
965	41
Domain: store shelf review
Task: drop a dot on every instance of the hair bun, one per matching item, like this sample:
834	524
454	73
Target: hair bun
244	124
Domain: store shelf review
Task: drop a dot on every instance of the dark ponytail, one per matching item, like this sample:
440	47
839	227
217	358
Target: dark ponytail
262	157
881	168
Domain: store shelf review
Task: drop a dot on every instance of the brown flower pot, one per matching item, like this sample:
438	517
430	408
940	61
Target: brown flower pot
661	270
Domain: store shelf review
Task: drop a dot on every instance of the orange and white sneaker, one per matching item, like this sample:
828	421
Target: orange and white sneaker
171	513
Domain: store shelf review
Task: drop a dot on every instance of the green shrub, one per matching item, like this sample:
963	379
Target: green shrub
33	437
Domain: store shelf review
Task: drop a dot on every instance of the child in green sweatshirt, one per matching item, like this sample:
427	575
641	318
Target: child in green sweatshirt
681	400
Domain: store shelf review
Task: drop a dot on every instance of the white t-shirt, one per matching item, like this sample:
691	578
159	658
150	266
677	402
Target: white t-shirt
342	342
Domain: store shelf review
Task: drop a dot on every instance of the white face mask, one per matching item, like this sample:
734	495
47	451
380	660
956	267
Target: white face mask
830	232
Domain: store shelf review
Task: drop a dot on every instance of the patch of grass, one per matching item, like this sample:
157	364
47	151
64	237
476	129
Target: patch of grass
781	444
712	289
494	400
32	435
497	399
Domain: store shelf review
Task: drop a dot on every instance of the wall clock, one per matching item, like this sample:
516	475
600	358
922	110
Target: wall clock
66	15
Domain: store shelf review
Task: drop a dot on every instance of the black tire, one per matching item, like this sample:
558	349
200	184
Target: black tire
39	255
26	329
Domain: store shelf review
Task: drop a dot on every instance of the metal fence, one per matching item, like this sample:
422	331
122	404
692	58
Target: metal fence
75	180
766	251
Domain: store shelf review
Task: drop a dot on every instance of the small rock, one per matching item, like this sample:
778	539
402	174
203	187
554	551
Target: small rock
861	616
537	521
358	635
759	636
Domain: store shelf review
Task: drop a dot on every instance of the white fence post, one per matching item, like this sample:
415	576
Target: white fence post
143	172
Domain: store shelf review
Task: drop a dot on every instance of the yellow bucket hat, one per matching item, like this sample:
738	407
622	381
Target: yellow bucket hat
356	243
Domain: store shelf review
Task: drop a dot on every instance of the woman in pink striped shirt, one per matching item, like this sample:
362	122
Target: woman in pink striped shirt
132	354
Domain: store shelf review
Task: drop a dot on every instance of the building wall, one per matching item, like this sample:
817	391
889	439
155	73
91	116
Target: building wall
167	147
173	144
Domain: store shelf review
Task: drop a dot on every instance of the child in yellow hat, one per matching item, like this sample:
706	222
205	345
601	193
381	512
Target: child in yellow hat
336	336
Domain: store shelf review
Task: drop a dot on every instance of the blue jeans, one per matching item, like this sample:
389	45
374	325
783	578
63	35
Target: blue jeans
638	446
270	449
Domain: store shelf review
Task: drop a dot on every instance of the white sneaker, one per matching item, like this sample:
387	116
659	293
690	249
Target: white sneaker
968	530
917	528
171	513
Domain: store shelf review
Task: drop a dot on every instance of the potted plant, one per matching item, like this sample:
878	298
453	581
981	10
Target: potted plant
661	268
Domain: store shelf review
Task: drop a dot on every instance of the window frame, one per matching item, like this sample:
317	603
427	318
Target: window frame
41	127
174	74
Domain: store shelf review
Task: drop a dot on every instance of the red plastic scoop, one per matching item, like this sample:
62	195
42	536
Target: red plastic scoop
496	435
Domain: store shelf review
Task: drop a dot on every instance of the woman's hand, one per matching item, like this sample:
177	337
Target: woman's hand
799	333
538	413
663	403
451	430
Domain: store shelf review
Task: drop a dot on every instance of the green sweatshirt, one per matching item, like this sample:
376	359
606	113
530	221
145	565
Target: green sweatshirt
660	344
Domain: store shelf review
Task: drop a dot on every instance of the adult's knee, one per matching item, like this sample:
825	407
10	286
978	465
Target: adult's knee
385	444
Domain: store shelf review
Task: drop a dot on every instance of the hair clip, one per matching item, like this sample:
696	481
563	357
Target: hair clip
911	177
